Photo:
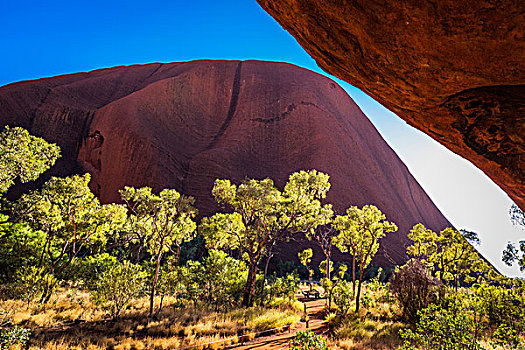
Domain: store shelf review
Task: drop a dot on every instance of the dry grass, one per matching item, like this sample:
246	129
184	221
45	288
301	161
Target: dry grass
375	327
72	321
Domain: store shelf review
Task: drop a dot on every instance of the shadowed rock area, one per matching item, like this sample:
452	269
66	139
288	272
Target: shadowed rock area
182	125
453	69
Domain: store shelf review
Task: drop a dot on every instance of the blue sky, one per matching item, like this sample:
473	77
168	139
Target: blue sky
41	39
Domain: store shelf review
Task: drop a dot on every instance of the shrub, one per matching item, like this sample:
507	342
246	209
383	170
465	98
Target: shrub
118	286
343	297
504	306
507	336
89	269
13	336
415	289
33	282
285	286
308	340
441	328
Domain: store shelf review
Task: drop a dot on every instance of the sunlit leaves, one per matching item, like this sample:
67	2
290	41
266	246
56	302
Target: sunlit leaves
263	215
448	254
23	156
72	220
161	221
67	210
165	219
360	231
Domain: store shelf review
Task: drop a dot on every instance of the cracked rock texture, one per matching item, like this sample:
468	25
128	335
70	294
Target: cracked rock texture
454	69
182	125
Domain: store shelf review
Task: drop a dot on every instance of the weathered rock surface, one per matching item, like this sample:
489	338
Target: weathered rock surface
453	69
182	125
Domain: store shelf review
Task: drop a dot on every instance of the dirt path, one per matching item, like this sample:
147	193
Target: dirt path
314	308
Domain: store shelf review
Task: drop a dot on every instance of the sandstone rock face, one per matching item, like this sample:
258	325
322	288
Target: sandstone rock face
453	69
182	125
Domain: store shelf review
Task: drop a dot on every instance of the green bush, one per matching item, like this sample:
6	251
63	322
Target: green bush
507	336
343	297
89	269
20	246
118	286
285	286
308	340
34	282
505	306
13	336
442	327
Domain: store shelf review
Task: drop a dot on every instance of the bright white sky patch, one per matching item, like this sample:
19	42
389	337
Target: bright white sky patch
463	193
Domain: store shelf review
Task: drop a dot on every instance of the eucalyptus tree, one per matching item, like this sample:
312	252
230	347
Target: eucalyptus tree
359	233
448	254
305	257
161	222
323	236
512	254
261	215
72	220
517	216
23	156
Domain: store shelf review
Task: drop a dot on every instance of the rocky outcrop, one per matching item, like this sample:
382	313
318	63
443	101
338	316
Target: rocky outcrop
453	69
182	125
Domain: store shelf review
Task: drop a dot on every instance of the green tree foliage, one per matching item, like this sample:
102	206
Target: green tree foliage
20	246
512	254
72	220
12	336
331	284
218	280
23	156
442	328
34	282
223	279
90	268
118	286
161	222
285	286
504	306
359	233
343	296
305	257
308	340
262	215
448	254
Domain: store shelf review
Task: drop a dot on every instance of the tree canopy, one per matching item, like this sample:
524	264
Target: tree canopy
263	215
23	156
359	233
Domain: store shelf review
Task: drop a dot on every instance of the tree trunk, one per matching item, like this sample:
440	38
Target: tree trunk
153	286
137	255
328	267
353	274
358	291
247	298
328	278
264	279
